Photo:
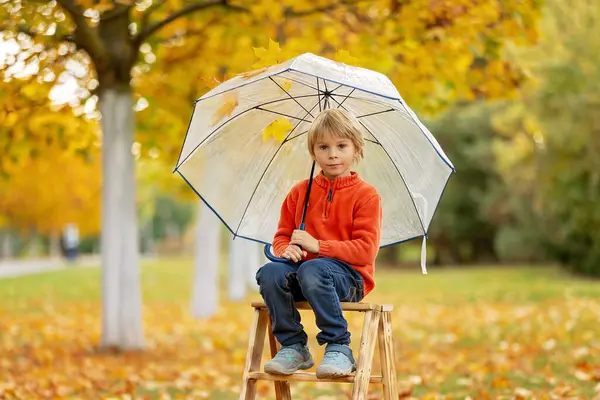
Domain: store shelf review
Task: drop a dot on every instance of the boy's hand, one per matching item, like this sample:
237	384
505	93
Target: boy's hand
303	238
293	253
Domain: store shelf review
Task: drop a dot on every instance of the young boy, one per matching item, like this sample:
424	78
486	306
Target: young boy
333	258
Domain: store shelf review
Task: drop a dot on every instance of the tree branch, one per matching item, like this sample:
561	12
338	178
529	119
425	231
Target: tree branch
117	11
33	34
191	32
147	30
146	15
289	12
189	9
85	37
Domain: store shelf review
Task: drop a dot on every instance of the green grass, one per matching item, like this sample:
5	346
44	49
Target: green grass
170	280
458	332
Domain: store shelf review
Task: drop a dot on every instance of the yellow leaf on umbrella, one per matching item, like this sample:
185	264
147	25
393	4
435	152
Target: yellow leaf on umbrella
212	81
226	109
287	84
277	129
250	74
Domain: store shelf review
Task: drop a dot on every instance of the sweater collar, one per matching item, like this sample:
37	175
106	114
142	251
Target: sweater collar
339	182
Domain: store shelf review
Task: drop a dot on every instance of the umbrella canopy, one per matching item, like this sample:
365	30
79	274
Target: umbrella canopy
246	146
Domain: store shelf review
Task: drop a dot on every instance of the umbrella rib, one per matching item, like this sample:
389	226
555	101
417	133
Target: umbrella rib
340	105
405	185
297	81
265	171
294	137
416	121
276	112
319	94
375	113
333	90
366	100
345	98
395	166
187	131
291	97
231	119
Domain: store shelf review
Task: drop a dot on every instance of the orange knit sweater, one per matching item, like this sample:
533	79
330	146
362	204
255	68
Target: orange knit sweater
344	215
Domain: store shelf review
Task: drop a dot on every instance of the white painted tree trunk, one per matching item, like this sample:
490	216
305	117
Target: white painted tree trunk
238	262
256	259
6	247
205	292
121	296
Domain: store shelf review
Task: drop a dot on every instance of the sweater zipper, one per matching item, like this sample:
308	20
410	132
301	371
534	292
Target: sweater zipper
328	203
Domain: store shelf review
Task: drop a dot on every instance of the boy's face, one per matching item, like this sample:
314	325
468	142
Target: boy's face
334	155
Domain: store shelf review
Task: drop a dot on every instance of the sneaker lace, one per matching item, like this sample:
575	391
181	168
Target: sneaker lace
287	353
335	358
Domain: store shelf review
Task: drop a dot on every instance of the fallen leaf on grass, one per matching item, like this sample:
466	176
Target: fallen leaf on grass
522	393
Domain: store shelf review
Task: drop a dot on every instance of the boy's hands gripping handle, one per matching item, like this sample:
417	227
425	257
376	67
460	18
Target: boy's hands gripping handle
272	257
268	253
294	252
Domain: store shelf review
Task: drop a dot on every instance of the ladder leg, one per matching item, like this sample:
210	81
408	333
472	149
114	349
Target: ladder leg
256	344
282	388
386	357
365	355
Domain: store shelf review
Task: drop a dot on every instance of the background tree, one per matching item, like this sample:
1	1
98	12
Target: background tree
464	229
116	44
490	211
49	171
564	108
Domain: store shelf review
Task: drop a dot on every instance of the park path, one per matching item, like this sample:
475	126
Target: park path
15	267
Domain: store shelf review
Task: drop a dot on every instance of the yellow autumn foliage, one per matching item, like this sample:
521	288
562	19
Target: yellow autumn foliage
50	167
457	334
435	52
52	189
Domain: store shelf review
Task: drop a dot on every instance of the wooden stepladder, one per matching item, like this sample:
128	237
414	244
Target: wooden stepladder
377	328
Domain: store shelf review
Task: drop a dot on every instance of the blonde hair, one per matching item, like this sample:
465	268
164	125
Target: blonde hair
340	124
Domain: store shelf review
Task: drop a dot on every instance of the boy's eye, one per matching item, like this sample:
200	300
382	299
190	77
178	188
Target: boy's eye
323	147
343	145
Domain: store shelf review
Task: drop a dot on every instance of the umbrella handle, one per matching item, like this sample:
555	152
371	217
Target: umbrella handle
271	257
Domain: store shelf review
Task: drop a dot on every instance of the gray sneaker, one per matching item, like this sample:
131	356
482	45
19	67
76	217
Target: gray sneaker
290	359
337	362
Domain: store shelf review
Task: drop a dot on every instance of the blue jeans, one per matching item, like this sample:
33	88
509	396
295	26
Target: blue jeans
324	283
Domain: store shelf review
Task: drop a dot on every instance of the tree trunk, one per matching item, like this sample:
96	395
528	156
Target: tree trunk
238	261
6	245
54	245
121	297
205	292
256	259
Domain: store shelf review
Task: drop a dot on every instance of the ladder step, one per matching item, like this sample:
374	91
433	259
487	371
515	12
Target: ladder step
303	305
305	376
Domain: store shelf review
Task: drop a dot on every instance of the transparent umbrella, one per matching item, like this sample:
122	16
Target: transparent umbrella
246	146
